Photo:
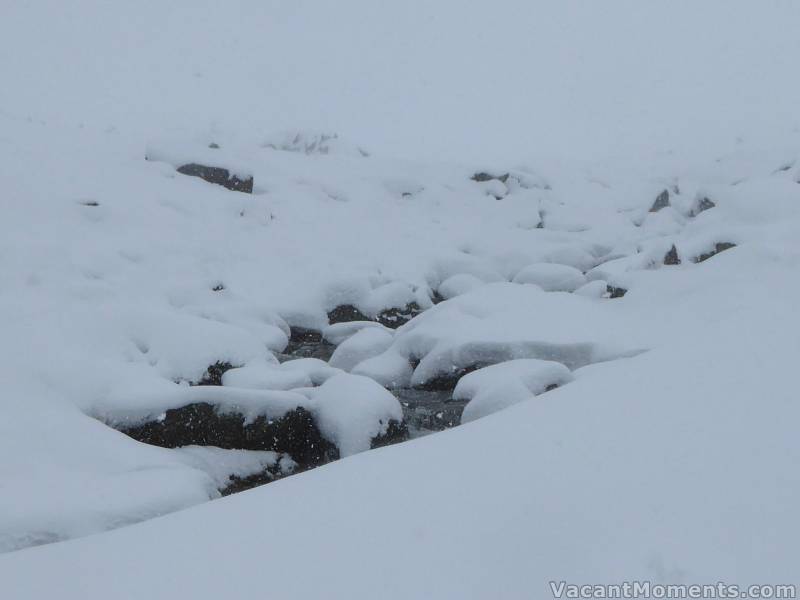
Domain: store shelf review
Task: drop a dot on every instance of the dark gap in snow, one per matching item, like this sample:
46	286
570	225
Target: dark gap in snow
307	343
429	411
448	381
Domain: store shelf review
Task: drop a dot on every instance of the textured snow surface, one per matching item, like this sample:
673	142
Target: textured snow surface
402	154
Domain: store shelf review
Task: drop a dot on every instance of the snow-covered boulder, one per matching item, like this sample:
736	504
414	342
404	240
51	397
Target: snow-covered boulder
339	332
357	414
391	369
593	289
551	277
458	284
497	323
366	343
502	385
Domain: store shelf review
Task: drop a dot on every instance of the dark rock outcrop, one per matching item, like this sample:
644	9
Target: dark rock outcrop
201	424
396	432
701	205
431	411
671	257
615	292
719	247
395	317
214	373
662	201
219	176
346	313
483	176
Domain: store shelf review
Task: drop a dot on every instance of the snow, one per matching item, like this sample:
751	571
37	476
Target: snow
365	344
458	284
339	332
350	410
499	386
505	321
551	278
671	455
221	464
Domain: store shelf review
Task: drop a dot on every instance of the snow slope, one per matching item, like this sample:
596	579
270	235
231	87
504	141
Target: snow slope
670	451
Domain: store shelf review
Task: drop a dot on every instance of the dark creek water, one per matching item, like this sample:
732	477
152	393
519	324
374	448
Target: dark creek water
295	434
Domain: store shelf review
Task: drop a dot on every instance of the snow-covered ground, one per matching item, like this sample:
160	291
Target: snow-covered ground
595	208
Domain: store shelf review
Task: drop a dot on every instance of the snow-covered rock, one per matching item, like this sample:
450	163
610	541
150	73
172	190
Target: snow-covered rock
356	413
366	343
551	277
499	386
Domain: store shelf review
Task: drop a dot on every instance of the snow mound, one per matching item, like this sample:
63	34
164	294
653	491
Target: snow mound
366	343
352	410
501	322
551	277
499	386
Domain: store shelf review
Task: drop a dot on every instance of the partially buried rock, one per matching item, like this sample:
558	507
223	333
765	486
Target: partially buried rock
701	204
201	424
615	292
345	313
219	176
719	247
662	201
483	176
214	373
396	432
395	317
671	257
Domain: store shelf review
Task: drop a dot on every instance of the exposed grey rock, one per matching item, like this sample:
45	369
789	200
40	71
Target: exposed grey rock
219	176
718	247
662	201
483	176
345	313
200	424
671	257
615	292
701	204
395	317
214	373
